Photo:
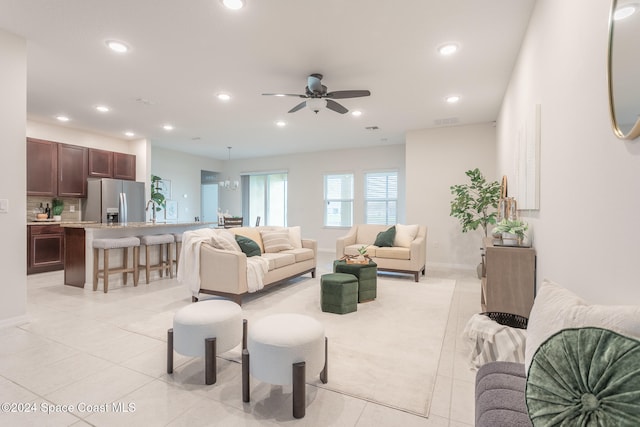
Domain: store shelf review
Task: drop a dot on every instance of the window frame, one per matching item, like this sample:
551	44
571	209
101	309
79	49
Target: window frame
328	200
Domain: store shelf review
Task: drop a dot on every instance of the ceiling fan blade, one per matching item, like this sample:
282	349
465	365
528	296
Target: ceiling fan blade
333	105
285	94
342	94
298	107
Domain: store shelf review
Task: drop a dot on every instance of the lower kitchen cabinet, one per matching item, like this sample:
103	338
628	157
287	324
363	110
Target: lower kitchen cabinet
45	245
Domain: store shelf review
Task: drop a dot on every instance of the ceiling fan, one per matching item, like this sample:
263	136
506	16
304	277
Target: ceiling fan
318	97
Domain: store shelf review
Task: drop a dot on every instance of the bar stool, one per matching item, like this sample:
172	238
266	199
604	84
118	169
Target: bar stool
165	244
106	245
177	237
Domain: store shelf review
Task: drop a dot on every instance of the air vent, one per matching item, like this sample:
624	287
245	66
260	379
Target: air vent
446	122
372	128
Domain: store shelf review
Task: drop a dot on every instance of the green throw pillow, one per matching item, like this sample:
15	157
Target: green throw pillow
385	238
585	377
248	246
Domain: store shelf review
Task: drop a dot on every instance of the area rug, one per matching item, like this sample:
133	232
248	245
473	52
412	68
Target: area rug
387	351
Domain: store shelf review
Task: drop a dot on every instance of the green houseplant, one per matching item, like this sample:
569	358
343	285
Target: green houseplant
475	204
57	206
513	231
156	196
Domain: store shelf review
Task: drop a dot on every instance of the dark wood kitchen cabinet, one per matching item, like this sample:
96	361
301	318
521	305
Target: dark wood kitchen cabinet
73	167
45	245
100	163
124	166
42	167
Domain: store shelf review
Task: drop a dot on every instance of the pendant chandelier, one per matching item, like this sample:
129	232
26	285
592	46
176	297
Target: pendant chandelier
229	184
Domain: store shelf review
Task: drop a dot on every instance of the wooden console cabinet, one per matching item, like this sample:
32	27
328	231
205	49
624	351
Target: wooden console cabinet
510	279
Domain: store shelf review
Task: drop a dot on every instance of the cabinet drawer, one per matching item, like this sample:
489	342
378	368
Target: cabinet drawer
46	229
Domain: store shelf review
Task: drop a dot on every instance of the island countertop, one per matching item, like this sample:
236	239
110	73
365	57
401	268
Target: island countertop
119	225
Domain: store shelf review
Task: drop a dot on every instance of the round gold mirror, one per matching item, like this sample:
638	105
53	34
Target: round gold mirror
624	68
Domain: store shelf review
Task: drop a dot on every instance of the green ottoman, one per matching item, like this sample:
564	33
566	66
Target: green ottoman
367	275
339	293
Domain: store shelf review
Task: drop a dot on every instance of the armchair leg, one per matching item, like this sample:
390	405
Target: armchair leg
245	376
170	351
299	395
210	367
324	374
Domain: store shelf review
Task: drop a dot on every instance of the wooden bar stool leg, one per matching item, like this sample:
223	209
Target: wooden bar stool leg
125	265
146	260
161	263
136	263
96	266
105	271
170	261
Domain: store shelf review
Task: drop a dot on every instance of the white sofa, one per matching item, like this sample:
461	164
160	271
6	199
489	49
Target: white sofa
409	258
224	272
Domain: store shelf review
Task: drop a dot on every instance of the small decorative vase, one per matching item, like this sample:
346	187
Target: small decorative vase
510	239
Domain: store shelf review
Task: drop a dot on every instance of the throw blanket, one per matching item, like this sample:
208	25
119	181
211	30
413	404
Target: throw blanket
189	267
257	267
491	341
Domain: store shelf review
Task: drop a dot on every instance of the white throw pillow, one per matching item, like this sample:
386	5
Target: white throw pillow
556	308
405	234
276	241
225	240
295	236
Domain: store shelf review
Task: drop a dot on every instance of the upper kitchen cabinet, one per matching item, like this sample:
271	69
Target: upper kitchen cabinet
42	161
124	166
100	163
72	170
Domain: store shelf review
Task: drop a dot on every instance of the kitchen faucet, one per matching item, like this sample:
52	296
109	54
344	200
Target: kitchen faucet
153	213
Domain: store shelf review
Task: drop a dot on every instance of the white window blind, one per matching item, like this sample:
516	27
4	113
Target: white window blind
381	197
338	200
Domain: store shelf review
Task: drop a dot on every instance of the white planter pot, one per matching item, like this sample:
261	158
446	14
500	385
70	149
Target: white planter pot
57	217
510	239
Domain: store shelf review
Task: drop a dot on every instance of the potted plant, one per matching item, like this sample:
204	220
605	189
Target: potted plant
156	193
475	204
57	207
512	230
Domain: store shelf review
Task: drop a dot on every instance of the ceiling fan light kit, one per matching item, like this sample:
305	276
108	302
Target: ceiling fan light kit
317	97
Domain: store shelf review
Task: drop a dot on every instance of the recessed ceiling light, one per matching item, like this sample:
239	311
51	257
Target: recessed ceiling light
117	46
129	134
281	123
624	12
448	49
234	4
280	94
356	113
452	99
62	118
224	96
103	108
167	127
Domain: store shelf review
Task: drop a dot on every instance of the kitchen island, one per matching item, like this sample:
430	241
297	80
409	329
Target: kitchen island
78	249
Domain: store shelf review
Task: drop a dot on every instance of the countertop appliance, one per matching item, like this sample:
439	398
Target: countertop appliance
114	201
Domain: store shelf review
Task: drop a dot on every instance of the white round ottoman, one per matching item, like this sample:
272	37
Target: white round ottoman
283	348
205	329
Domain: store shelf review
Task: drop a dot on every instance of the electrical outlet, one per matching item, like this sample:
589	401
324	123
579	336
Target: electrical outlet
4	205
72	208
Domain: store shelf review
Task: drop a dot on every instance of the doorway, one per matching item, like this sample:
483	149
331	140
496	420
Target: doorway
209	196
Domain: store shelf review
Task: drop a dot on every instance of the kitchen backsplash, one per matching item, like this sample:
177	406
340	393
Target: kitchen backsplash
33	204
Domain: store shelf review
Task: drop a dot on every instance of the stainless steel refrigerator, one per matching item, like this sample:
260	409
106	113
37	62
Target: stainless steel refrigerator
113	201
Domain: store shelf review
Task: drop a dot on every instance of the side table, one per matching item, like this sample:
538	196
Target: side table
367	275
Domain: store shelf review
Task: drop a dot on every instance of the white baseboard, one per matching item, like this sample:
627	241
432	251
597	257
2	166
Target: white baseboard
14	321
450	266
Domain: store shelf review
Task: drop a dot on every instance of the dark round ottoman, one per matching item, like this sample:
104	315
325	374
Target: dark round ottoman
339	293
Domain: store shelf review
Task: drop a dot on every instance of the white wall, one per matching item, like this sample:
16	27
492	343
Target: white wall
306	187
69	135
183	170
586	232
436	159
13	172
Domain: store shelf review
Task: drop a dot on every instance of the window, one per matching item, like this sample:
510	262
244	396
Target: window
338	200
267	199
381	197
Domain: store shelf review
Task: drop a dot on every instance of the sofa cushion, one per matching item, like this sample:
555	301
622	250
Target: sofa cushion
295	236
584	377
405	234
556	308
385	238
393	253
250	232
225	240
500	398
280	259
353	249
248	246
276	241
301	254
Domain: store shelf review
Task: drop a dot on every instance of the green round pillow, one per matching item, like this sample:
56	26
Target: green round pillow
585	377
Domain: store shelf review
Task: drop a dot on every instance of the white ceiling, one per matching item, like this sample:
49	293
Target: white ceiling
184	53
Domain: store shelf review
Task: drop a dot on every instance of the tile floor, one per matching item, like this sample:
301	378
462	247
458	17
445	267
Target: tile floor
106	356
